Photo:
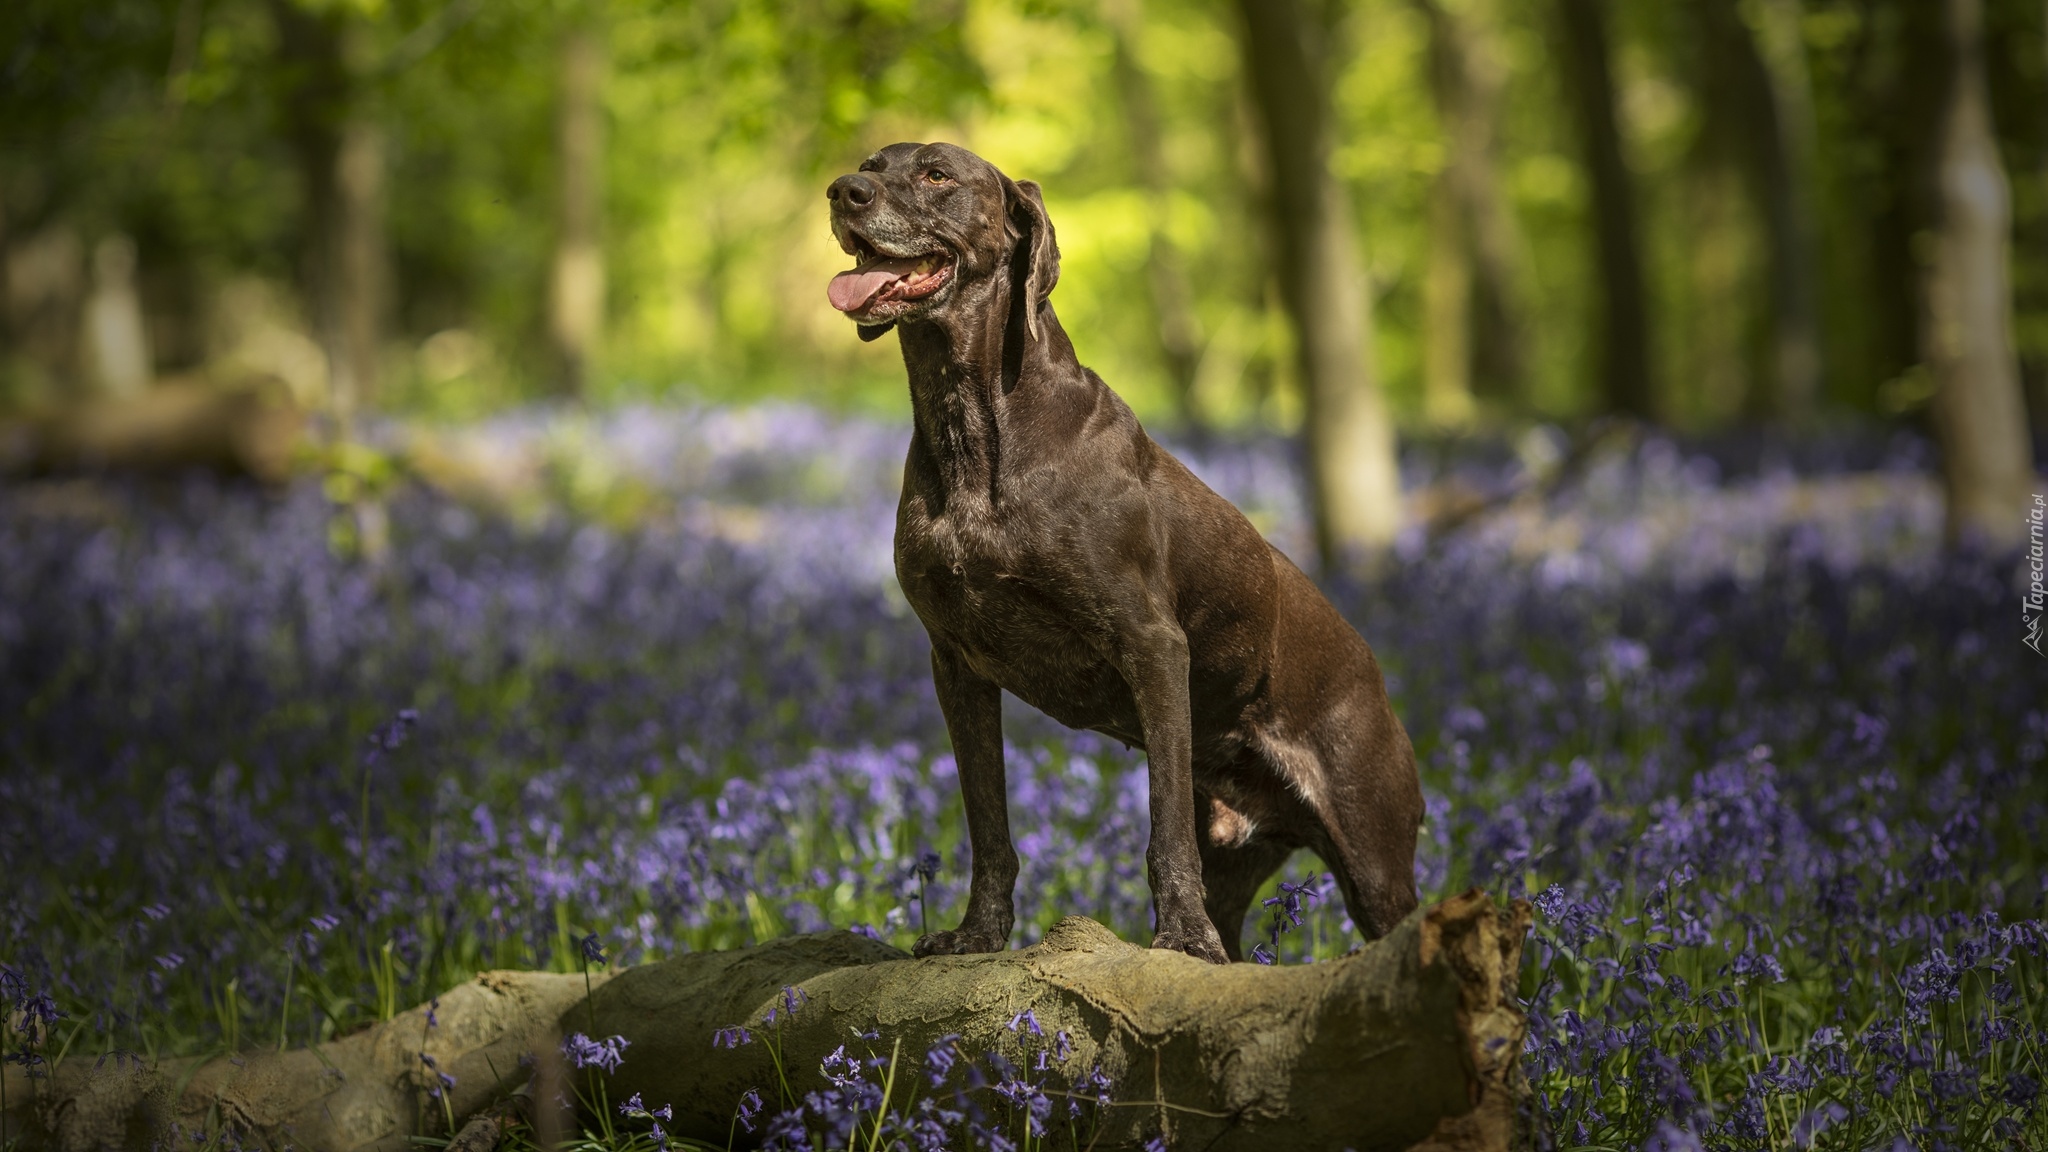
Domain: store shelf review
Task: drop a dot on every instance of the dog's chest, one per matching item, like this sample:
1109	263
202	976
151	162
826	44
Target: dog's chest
1005	606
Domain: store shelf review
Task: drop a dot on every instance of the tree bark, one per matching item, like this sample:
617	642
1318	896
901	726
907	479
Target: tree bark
115	350
1447	309
1713	335
577	286
1476	312
340	148
1411	1042
1785	144
1180	330
1354	478
1759	104
1966	340
1626	384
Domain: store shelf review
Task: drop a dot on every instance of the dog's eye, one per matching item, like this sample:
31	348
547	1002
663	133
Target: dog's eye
937	176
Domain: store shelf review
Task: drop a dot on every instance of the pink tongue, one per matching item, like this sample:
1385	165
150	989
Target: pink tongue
851	290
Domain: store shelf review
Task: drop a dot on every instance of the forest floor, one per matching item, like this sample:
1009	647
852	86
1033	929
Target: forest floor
278	763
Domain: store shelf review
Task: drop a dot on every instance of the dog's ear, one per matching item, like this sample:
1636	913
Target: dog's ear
1039	261
869	333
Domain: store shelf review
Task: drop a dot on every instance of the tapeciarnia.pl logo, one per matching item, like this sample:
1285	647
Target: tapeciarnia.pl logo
2034	605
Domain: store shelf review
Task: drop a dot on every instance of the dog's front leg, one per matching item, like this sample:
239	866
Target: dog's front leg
1155	665
973	707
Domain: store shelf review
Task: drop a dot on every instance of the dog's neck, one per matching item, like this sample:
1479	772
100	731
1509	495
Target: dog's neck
968	379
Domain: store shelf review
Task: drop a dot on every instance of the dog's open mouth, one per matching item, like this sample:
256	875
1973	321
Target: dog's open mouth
878	279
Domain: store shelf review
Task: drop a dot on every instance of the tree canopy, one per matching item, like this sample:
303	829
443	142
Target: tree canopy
185	125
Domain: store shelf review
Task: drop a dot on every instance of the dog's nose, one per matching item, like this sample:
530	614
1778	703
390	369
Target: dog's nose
851	192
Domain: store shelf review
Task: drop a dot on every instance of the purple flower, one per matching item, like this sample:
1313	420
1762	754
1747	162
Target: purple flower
940	1058
749	1108
442	1080
1763	967
583	1052
634	1107
792	999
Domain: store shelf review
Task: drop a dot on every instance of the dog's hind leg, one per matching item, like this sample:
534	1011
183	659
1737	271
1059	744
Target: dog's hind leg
1236	862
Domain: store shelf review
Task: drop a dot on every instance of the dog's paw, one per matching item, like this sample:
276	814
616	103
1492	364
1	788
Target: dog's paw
959	942
1202	944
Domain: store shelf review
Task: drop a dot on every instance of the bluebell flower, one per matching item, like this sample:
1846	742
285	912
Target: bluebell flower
583	1052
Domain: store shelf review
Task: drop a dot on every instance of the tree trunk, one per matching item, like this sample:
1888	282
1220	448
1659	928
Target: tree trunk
1784	138
1759	104
1965	287
1447	308
576	289
1476	312
361	281
115	350
1625	328
1354	477
340	151
1718	373
1180	330
1412	1042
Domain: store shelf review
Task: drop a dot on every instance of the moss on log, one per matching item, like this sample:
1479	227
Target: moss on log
1409	1042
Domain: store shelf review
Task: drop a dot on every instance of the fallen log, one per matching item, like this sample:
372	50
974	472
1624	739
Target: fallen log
366	1091
1410	1042
244	427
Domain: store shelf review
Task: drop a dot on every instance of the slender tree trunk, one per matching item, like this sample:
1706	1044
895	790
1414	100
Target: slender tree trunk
1760	99
1475	309
115	350
362	281
340	151
1965	285
1353	473
1785	141
1447	308
1180	330
1717	373
577	288
1721	370
1625	330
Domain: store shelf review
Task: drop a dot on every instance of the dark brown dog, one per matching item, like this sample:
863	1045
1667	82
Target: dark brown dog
1053	550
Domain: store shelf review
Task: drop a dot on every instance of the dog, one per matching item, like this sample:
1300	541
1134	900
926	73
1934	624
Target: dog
1052	549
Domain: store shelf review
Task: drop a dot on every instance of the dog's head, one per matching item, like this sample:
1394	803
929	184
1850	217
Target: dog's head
935	229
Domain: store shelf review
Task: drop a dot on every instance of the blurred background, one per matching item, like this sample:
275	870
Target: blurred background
231	229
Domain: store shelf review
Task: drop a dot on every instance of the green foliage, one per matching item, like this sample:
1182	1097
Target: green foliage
169	120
